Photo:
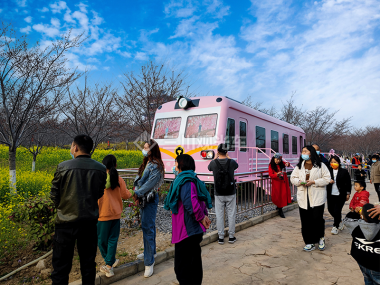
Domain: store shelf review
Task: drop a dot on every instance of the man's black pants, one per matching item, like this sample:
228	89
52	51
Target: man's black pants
85	235
188	261
334	206
377	188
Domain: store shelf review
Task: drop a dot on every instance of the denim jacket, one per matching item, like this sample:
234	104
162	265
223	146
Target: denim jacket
151	180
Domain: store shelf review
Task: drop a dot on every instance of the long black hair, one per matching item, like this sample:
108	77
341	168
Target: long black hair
153	157
315	160
337	159
185	162
110	163
273	164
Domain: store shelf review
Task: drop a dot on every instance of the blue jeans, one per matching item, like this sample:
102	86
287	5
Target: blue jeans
148	224
371	277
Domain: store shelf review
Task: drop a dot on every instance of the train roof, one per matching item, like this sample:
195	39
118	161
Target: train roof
210	101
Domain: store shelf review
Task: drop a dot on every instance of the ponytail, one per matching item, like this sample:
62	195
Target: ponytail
110	163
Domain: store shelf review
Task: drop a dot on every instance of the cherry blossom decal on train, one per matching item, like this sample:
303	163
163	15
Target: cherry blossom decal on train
201	126
167	128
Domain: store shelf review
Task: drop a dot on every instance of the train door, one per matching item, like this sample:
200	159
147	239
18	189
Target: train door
301	144
243	152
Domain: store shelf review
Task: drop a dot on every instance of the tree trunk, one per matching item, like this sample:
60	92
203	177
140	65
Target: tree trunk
12	172
34	163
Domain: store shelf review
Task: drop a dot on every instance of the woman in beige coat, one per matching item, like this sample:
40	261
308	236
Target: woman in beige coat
375	174
311	177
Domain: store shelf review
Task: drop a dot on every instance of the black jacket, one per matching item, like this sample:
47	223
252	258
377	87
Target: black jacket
343	182
324	160
76	188
358	176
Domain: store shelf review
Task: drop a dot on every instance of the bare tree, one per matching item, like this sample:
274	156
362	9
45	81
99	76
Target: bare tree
146	91
291	113
31	81
259	107
40	137
91	111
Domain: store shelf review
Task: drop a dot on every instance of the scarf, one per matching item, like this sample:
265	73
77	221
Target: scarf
171	200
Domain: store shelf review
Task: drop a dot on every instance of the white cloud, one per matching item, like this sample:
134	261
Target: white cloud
43	10
1	10
21	3
55	22
82	7
26	30
67	17
217	8
45	29
28	19
57	7
82	18
179	9
141	56
107	43
106	68
124	54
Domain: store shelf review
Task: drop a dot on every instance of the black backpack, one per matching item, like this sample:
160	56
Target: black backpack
224	183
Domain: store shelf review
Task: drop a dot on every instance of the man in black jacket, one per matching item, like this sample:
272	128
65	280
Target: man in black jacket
321	157
76	188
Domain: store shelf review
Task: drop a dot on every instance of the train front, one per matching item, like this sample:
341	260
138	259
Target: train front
188	125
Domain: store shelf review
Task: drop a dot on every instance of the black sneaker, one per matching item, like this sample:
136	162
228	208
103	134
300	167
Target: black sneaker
232	240
221	241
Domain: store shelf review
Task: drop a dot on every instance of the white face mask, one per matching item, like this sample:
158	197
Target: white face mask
144	152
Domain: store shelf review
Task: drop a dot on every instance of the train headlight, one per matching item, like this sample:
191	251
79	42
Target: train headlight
183	103
208	154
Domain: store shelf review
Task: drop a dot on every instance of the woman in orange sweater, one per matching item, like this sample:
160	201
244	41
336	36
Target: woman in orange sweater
110	209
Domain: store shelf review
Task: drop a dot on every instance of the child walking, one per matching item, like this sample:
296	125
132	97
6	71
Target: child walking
110	209
360	174
365	246
360	198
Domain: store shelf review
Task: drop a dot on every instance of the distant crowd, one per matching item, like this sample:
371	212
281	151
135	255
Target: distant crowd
88	196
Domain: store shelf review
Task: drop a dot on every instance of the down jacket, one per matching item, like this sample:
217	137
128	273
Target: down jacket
375	172
317	192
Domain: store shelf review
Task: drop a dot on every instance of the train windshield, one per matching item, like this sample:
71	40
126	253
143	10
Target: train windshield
167	128
201	126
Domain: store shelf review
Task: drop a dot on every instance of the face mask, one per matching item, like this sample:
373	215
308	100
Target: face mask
175	171
318	152
334	165
374	161
72	156
305	157
144	152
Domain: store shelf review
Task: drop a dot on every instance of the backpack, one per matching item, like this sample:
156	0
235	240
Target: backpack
224	183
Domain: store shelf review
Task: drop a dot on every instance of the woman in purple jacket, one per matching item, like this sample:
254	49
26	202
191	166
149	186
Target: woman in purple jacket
189	220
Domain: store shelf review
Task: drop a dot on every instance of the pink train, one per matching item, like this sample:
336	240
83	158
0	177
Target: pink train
197	125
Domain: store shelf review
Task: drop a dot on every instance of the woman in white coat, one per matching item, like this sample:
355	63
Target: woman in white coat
311	177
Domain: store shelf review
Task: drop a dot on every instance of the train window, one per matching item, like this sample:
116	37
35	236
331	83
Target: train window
243	136
230	134
301	142
167	128
260	138
294	145
201	126
274	140
285	143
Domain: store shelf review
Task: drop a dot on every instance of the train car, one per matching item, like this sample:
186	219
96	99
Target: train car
197	125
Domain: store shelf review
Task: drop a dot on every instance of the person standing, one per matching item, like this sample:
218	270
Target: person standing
110	209
223	168
75	190
321	156
356	161
147	182
186	200
338	192
281	195
360	174
311	177
375	174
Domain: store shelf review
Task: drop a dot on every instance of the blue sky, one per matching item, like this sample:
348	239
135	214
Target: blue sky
326	51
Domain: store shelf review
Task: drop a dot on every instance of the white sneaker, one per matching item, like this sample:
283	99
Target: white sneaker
322	244
334	231
107	271
148	271
141	256
116	263
341	226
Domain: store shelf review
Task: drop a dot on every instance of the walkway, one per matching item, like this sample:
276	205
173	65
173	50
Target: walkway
271	253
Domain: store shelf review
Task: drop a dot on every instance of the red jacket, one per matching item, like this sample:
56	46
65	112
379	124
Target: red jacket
359	199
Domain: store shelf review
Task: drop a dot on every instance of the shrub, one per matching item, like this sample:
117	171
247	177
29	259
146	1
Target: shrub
38	214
